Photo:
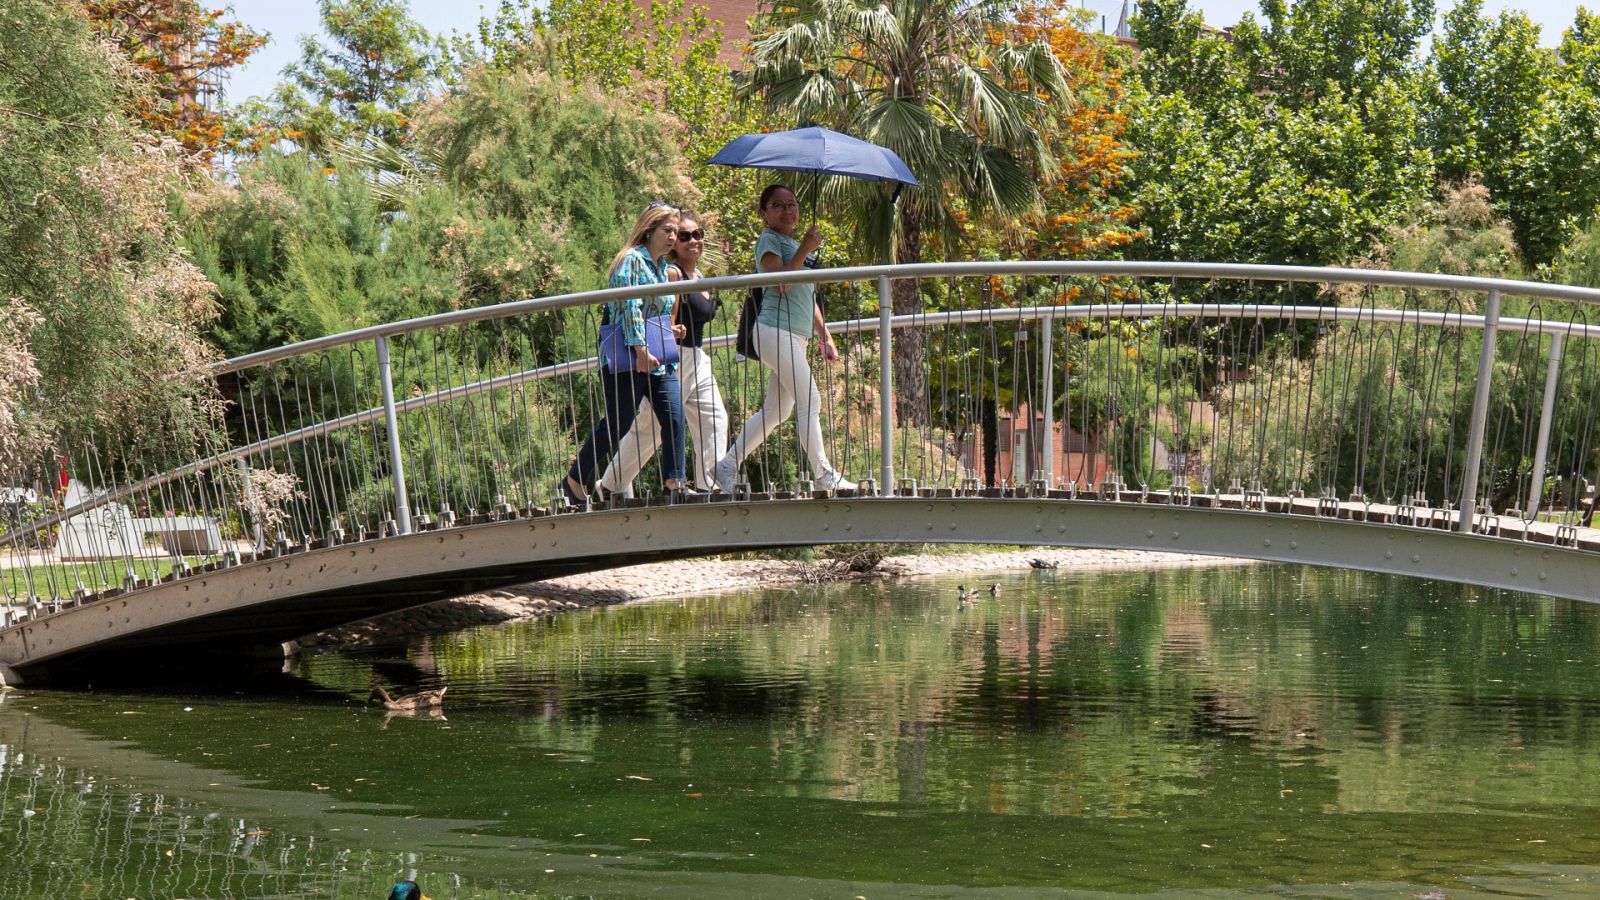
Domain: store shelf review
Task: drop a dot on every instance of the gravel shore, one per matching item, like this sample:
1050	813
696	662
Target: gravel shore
654	581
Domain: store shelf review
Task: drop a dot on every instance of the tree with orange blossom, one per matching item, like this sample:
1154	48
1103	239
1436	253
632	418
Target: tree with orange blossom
184	51
1081	212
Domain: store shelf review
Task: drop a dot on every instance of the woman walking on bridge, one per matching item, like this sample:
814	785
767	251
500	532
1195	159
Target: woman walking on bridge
789	316
703	411
635	373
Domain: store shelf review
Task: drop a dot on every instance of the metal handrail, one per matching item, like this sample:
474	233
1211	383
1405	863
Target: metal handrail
1232	271
886	323
1017	314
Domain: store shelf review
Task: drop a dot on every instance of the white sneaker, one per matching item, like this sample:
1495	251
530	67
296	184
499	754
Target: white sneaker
724	473
833	481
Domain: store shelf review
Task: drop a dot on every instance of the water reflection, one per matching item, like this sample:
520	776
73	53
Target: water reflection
1211	729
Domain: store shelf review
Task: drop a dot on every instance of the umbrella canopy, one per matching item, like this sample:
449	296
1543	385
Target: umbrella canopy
816	151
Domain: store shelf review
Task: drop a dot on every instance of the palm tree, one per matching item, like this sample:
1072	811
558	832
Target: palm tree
948	86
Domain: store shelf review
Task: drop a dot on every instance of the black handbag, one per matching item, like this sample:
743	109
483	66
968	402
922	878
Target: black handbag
744	339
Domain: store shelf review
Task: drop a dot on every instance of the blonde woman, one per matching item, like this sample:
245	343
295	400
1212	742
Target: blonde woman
640	262
703	411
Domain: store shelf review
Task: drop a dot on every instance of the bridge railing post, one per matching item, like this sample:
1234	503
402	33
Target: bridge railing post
1480	414
1552	376
391	424
251	505
886	383
1047	334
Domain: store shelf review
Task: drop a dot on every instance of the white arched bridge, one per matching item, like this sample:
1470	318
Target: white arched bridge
1427	425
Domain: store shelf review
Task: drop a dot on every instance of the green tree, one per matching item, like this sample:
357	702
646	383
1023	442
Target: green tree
100	309
518	189
365	86
930	81
1270	148
667	55
1513	114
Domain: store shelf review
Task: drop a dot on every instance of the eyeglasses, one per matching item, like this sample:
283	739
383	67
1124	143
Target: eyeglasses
784	207
686	235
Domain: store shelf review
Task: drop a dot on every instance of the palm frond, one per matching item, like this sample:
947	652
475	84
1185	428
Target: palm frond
904	126
395	177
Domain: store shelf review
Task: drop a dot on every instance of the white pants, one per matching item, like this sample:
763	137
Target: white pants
790	389
704	413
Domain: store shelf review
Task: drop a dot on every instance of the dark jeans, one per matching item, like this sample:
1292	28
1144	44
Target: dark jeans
623	392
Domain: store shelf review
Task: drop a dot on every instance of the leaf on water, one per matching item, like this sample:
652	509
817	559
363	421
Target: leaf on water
640	778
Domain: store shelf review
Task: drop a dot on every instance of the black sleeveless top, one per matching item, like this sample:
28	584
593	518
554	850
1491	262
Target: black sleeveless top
694	312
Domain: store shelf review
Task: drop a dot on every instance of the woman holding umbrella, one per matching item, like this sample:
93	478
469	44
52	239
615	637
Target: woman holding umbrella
789	317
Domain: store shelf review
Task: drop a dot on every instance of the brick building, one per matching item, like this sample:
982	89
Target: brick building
735	18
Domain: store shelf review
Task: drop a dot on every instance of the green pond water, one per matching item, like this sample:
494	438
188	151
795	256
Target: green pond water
1191	732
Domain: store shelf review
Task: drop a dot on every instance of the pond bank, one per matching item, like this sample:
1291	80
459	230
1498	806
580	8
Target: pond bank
655	581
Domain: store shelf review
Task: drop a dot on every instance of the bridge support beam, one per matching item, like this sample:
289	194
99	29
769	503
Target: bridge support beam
9	678
1480	415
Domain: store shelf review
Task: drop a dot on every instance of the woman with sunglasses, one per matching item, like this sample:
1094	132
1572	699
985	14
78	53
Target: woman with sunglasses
789	317
702	401
640	262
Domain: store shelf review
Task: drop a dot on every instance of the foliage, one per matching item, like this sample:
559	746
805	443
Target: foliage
665	55
1521	117
363	88
1083	212
184	52
102	307
1271	148
526	184
1457	234
950	86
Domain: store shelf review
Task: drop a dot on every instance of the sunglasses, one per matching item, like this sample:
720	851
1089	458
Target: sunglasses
687	235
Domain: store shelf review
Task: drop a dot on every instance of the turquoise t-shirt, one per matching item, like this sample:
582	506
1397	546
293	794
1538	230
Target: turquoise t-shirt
790	312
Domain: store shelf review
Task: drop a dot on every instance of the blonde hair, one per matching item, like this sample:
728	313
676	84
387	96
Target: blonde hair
648	221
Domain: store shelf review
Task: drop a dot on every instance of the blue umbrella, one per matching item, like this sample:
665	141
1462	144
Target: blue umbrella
815	151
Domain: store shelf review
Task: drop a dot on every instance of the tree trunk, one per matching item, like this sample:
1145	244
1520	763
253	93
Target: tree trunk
990	426
910	344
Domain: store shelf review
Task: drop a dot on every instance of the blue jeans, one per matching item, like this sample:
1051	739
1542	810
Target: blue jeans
623	392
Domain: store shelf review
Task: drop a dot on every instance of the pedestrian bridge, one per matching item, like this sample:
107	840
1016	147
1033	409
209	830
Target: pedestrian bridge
1425	425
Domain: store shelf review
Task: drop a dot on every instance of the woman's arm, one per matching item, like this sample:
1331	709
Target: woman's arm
630	312
679	330
819	327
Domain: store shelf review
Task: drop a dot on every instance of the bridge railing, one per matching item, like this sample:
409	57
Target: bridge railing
1457	402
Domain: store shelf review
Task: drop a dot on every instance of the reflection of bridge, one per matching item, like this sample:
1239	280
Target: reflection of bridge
1419	424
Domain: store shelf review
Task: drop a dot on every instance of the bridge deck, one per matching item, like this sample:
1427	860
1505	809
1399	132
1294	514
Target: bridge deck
277	597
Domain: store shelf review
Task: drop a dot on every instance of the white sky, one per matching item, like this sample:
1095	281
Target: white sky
286	20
